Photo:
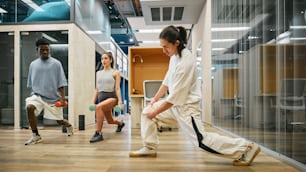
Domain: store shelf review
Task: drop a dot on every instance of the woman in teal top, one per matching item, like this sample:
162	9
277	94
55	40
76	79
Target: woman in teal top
108	95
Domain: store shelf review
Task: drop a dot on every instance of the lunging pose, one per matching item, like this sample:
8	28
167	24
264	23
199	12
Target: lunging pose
182	106
108	95
46	79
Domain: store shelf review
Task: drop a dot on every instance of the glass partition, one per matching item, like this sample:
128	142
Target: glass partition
93	17
12	11
58	49
7	79
258	71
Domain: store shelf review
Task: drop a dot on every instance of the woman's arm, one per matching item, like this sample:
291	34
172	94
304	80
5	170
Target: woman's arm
96	91
117	87
95	96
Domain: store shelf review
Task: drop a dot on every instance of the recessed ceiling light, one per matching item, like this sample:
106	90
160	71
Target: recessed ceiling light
298	27
223	40
94	32
218	49
223	29
2	10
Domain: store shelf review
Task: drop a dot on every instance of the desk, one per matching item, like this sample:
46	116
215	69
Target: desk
136	109
137	103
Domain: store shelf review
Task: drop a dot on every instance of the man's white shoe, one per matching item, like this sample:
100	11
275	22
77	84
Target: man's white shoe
144	152
34	139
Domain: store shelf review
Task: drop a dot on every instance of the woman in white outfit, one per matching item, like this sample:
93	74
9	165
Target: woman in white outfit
182	106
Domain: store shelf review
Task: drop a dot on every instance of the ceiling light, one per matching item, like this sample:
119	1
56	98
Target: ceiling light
297	27
223	40
223	29
218	49
32	5
150	42
104	42
298	39
2	10
253	37
94	32
49	37
25	33
149	30
122	25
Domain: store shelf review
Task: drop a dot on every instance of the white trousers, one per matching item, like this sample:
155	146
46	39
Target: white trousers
189	121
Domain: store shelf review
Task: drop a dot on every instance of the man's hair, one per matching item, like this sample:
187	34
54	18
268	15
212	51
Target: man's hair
42	41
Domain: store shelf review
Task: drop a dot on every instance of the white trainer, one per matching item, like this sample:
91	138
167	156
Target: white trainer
143	152
69	130
34	139
248	157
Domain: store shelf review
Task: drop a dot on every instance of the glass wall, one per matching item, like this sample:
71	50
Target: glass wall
13	11
7	79
259	72
93	17
90	15
58	49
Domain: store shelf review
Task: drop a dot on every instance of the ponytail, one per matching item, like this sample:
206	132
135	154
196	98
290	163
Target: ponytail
172	34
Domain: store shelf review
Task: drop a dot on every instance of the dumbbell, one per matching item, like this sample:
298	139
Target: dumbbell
92	107
59	104
116	108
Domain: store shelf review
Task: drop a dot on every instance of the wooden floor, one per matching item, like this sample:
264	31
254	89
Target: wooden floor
59	153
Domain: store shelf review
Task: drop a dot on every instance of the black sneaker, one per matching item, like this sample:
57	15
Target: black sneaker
96	137
120	126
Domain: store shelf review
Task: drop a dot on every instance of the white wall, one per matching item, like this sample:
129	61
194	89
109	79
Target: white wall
81	75
201	34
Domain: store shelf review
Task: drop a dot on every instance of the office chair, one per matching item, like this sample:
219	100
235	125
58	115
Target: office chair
150	88
291	98
238	104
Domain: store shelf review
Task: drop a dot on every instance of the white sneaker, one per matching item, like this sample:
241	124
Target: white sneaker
69	130
144	152
248	156
34	139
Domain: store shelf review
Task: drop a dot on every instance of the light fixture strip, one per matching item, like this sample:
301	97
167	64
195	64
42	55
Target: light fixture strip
224	29
223	40
2	10
32	5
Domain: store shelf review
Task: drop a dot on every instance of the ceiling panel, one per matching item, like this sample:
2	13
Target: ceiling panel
158	12
146	34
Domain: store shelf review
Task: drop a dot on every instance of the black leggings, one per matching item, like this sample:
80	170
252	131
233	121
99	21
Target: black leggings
105	95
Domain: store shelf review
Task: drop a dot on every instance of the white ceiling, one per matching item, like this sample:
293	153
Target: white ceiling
147	31
148	35
171	11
